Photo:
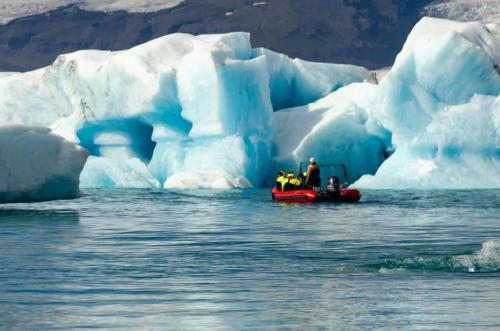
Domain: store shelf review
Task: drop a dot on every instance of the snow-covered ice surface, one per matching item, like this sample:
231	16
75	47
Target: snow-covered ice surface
212	112
179	104
36	165
12	9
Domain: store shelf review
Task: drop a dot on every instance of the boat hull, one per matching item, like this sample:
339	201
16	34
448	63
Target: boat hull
304	196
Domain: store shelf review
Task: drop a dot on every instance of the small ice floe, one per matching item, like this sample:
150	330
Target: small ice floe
37	165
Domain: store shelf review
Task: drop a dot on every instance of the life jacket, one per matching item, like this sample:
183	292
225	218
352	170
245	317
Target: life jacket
279	182
296	181
286	185
290	184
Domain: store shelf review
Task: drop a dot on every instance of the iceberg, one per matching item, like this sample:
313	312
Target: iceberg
177	105
442	63
210	111
37	165
440	102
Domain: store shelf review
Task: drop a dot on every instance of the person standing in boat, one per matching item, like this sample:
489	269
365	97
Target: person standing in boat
313	175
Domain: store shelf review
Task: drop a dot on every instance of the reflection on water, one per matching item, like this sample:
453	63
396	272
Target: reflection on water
236	260
33	215
31	241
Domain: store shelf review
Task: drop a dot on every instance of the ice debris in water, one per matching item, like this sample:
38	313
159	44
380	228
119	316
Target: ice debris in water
36	165
181	110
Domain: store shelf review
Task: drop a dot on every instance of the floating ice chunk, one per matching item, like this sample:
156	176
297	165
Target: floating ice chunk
177	104
440	103
204	104
36	165
104	172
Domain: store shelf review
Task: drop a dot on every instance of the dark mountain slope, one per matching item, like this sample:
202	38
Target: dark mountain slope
363	32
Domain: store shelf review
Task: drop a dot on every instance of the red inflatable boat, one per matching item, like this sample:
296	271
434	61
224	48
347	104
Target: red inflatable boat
344	195
333	192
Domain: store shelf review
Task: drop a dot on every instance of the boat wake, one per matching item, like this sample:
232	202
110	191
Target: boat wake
485	260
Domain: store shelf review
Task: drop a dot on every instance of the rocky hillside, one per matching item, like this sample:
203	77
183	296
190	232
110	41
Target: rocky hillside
368	32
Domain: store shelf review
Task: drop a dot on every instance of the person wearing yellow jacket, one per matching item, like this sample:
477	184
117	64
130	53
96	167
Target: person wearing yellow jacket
291	182
280	179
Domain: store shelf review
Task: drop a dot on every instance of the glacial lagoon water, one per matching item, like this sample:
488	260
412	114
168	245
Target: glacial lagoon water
229	260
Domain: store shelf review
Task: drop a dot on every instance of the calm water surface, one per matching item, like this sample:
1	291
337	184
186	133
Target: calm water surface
235	260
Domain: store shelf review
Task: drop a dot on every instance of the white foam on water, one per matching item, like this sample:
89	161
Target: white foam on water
487	259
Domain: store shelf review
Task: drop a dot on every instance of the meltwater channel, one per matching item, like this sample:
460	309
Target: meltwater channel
228	260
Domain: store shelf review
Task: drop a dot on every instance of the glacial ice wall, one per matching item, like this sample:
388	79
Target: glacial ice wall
36	165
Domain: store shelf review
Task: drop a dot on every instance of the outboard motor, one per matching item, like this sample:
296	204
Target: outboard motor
333	185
